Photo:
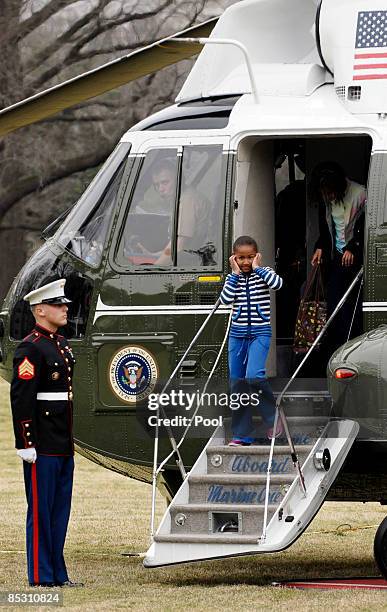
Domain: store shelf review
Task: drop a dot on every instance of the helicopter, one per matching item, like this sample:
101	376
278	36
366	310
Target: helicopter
272	81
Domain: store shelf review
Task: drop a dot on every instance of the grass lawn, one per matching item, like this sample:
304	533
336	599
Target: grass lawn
110	516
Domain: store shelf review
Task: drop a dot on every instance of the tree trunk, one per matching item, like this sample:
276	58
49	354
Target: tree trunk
12	252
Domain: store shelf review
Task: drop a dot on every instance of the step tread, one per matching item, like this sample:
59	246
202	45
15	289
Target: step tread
226	538
222	507
240	478
257	450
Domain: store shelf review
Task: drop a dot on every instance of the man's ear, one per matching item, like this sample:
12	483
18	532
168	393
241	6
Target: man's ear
39	310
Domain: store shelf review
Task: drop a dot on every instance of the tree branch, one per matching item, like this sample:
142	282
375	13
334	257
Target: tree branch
30	184
93	30
39	17
37	59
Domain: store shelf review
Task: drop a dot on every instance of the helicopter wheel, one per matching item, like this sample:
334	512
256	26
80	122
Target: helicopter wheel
380	547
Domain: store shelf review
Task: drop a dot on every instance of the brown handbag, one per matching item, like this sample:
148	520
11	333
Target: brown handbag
312	312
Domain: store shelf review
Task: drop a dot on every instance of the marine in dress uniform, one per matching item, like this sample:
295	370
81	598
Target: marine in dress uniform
41	401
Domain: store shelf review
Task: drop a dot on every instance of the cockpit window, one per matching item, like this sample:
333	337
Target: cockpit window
201	207
84	231
148	226
176	212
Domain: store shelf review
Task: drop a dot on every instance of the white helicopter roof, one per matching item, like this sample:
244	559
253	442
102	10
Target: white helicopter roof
294	46
320	111
272	35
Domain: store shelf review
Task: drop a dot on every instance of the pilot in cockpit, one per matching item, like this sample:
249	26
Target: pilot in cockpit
160	199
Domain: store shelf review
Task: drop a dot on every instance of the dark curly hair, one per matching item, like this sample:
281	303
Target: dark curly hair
328	177
244	241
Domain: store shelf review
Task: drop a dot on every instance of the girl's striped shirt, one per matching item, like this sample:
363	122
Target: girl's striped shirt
250	296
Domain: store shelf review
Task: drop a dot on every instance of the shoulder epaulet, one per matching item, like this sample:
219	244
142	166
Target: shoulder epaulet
31	337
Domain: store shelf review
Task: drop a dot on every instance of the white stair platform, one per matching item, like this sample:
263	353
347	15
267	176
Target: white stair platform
219	509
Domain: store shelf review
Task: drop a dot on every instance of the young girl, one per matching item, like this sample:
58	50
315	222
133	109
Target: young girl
247	288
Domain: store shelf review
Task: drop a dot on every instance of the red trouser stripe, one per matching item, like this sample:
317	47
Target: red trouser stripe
35	519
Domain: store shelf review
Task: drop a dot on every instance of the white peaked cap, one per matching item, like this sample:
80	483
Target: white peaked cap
52	293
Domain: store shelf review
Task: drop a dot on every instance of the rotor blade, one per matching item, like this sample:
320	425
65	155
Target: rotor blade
144	61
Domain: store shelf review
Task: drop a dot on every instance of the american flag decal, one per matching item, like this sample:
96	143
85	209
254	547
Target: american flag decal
26	369
370	60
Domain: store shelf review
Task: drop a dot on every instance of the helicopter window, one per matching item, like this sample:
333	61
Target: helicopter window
201	206
84	232
148	225
44	267
149	236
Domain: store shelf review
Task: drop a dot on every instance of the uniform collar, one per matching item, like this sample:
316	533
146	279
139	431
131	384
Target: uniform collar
46	332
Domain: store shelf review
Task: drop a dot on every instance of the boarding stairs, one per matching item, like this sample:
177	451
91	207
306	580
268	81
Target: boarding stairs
259	498
229	505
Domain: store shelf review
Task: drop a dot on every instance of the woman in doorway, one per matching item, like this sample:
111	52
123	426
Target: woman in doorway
340	244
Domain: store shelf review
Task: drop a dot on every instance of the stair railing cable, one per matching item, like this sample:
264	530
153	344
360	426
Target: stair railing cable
279	411
176	446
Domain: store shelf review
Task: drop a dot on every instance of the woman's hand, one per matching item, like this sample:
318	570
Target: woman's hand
347	259
317	257
234	266
257	261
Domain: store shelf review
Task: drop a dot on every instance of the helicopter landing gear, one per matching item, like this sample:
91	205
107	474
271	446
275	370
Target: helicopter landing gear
380	547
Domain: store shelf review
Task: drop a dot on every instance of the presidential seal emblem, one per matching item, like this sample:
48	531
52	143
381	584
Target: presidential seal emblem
133	373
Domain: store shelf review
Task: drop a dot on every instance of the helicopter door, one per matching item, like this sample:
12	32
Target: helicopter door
375	297
164	272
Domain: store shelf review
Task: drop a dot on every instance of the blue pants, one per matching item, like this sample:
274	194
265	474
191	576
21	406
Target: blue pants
48	485
247	367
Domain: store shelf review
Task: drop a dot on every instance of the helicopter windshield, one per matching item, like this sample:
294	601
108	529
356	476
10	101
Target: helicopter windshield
84	231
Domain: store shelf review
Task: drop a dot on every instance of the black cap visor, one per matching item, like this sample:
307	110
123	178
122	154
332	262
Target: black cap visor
56	300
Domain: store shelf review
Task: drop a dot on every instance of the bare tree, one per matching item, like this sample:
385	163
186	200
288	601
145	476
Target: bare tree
46	166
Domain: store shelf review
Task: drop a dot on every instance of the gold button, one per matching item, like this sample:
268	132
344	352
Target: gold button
70	387
51	335
56	364
71	396
62	351
28	433
67	347
27	425
30	442
47	413
69	378
66	360
69	369
36	334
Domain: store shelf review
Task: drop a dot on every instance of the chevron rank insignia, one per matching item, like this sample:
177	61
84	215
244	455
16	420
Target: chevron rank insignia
26	369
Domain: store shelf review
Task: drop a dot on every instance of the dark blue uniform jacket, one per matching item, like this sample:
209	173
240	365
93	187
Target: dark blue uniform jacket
42	393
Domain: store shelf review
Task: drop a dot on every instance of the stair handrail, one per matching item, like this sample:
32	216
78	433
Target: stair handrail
199	404
279	411
176	445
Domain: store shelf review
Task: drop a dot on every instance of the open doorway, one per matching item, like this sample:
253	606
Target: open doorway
277	207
